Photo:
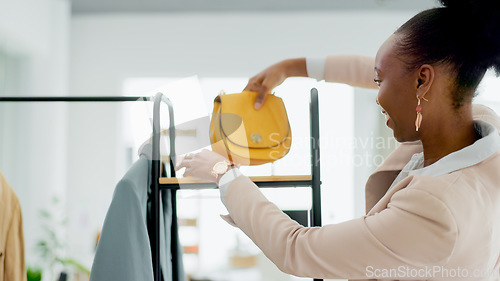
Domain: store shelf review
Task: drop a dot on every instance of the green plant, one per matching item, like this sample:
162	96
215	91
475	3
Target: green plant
34	274
51	248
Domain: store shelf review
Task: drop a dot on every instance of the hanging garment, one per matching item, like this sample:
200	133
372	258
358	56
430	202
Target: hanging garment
12	266
124	251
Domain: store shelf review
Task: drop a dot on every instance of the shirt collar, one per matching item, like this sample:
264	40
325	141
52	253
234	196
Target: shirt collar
467	156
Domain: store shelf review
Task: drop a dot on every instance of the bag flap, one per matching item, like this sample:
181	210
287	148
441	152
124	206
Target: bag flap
267	127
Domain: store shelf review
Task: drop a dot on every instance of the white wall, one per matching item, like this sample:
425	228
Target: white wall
25	26
109	48
213	44
33	142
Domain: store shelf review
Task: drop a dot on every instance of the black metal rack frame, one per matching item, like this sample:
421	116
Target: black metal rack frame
156	187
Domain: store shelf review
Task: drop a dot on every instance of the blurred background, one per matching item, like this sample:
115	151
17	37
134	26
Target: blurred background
63	160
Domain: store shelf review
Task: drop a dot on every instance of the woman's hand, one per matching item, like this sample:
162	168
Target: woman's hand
200	164
273	76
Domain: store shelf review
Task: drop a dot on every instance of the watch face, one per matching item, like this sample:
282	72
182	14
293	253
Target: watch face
220	167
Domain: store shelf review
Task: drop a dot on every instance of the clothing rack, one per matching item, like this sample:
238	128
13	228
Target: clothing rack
173	184
155	165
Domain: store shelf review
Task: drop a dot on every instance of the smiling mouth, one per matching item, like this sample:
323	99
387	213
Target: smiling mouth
387	117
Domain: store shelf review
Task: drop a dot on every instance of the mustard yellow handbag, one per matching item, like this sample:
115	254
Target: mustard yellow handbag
248	136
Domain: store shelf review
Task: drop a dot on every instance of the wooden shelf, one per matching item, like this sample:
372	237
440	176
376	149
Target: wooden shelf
261	181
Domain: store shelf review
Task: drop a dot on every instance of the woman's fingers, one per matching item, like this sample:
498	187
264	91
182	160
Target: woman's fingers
254	83
262	85
273	76
200	164
269	83
184	164
266	81
187	173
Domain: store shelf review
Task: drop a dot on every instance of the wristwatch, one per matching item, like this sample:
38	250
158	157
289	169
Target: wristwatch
220	168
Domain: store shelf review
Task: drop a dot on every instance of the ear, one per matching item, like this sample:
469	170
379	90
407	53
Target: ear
425	78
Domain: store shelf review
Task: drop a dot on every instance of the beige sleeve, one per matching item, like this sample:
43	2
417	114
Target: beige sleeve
15	268
354	70
404	234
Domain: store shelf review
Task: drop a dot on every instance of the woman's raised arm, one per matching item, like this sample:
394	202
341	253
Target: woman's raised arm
354	70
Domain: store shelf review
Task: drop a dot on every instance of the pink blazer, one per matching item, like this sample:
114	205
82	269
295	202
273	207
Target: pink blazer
439	228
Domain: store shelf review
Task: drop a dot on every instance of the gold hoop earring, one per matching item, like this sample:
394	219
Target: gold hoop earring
418	121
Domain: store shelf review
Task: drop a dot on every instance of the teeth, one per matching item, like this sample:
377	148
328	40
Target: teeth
385	113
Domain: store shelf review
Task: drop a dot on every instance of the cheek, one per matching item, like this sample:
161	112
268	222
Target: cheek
396	100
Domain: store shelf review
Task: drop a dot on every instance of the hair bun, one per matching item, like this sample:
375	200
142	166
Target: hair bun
479	22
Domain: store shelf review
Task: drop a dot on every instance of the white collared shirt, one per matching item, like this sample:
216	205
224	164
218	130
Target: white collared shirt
226	179
316	68
468	156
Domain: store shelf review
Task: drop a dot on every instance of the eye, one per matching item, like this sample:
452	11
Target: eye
377	81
